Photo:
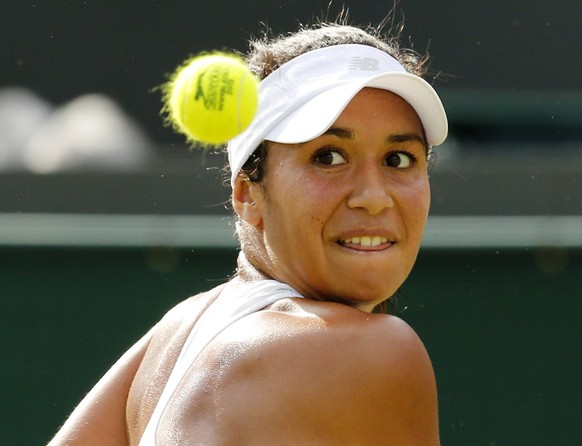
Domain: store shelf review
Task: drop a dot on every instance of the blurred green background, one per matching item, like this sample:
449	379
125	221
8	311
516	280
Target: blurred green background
98	241
502	332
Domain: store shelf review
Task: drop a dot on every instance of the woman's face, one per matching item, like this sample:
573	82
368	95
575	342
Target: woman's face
342	216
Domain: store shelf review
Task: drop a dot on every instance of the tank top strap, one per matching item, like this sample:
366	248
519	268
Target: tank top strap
234	302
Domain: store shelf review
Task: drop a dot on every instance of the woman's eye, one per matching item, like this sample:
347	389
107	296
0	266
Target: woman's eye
401	160
329	158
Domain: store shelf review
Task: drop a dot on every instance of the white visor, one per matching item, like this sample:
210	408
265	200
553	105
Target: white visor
302	99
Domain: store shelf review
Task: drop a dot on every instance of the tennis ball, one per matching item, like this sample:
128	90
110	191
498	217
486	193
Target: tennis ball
211	98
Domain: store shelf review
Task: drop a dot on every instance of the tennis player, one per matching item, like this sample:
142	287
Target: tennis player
331	194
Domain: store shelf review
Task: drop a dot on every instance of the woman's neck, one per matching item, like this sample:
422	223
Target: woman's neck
247	272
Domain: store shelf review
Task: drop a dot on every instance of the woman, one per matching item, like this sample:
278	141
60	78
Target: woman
331	192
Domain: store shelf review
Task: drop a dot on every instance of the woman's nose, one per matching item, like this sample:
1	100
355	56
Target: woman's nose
370	191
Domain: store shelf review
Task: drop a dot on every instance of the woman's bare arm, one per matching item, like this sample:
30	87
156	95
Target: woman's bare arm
344	378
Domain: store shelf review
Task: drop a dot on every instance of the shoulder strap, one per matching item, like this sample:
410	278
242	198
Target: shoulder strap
233	302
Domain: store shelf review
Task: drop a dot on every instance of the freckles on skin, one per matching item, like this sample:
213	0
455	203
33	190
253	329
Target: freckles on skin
317	220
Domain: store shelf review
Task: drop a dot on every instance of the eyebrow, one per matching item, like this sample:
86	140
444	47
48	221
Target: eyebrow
342	132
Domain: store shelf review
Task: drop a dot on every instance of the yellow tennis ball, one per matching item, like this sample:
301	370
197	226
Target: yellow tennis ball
212	98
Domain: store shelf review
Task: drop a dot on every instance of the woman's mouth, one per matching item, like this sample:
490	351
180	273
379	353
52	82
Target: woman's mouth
366	242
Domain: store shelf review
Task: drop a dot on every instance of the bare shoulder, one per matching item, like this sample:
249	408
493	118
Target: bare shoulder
166	339
317	373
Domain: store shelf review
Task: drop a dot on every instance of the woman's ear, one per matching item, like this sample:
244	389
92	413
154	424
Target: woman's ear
245	196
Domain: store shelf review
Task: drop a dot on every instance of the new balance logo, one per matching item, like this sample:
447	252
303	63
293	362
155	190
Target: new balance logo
364	64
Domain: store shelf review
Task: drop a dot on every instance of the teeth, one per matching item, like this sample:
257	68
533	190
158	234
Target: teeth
366	241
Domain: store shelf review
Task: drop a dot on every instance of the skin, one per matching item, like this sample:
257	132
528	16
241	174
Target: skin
344	184
315	371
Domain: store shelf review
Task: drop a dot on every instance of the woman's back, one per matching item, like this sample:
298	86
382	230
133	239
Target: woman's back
289	375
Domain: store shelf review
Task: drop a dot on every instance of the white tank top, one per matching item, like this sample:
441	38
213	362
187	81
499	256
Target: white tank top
233	303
